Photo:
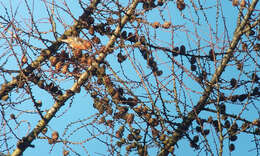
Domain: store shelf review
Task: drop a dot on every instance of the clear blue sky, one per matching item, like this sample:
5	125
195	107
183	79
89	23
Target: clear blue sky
81	107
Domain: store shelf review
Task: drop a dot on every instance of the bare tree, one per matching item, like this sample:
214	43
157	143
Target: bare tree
154	72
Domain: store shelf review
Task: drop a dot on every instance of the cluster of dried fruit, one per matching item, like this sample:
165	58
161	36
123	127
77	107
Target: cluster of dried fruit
147	55
232	128
165	25
236	3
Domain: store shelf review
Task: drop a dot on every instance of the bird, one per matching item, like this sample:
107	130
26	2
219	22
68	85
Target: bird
78	43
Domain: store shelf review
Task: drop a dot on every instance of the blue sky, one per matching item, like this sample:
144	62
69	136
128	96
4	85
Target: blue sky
82	105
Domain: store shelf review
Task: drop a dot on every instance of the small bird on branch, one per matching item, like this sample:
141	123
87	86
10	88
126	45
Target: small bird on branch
78	43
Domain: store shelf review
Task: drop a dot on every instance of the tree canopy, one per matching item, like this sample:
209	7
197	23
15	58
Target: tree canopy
143	77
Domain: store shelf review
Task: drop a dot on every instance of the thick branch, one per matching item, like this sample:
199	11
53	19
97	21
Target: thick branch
45	54
26	141
184	126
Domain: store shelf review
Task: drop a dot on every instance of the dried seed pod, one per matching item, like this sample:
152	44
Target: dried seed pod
130	118
90	20
50	141
223	117
231	147
124	34
234	128
171	149
233	82
256	47
162	137
89	61
198	129
55	136
222	108
110	123
110	21
44	131
121	129
210	119
138	137
132	102
244	46
156	25
145	109
84	59
119	143
131	37
130	137
143	40
5	97
39	103
53	60
160	2
102	120
182	49
128	147
24	60
155	122
41	84
227	124
193	60
147	116
255	78
122	110
100	28
180	5
257	131
243	3
159	72
155	133
234	98
121	58
250	32
58	65
12	116
245	126
239	66
20	84
77	53
64	55
64	69
65	152
256	122
109	110
116	96
166	25
242	97
108	30
78	43
193	67
255	91
138	109
150	121
211	54
111	90
96	40
119	134
137	131
233	138
91	30
206	131
235	2
194	145
145	6
196	138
